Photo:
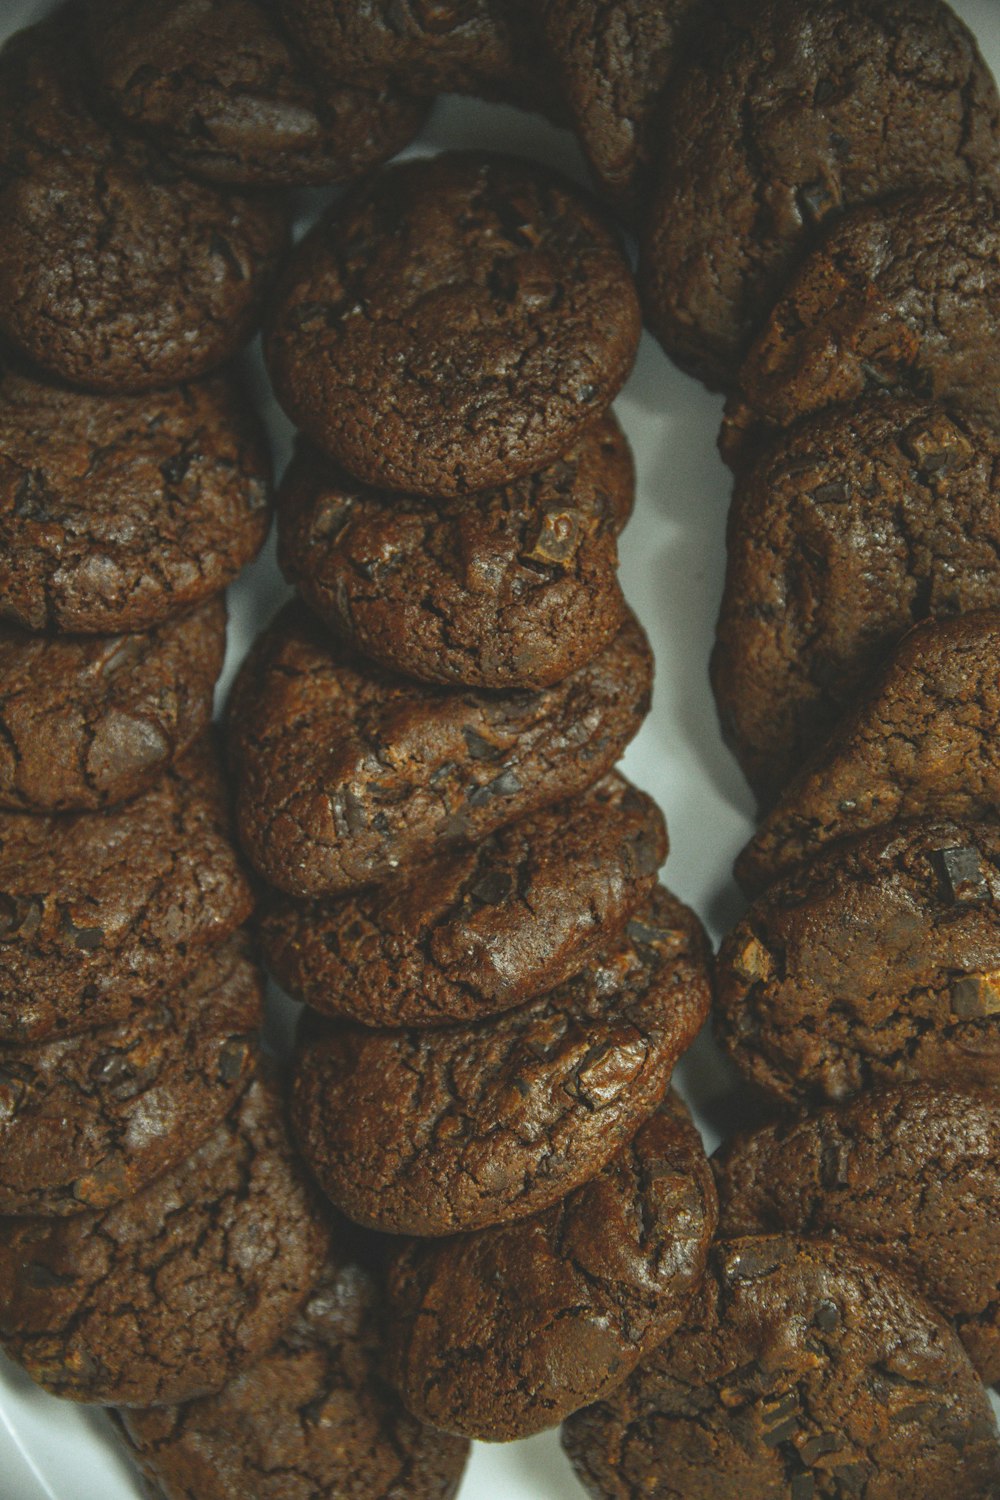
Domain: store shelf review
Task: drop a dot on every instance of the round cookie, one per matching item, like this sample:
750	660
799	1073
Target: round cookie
908	989
807	1372
101	912
510	587
908	1176
453	323
89	721
504	1332
218	87
316	1412
345	774
481	929
921	741
170	1294
900	295
88	1120
612	62
436	1131
433	46
789	112
117	513
844	531
116	272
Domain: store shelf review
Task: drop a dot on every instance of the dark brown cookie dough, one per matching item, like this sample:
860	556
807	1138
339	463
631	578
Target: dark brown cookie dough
89	721
170	1294
910	1176
453	324
116	272
902	295
219	87
878	962
510	587
612	61
346	774
922	741
791	112
118	512
89	1119
842	533
101	912
807	1373
315	1417
435	1131
502	1333
481	929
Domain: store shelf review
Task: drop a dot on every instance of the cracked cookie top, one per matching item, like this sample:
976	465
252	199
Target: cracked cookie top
803	1370
453	324
501	1333
434	1131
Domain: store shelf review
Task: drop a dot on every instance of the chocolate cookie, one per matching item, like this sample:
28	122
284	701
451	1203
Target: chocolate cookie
116	272
808	1372
170	1294
434	46
432	1132
510	587
901	295
89	1119
316	1412
501	1333
612	62
481	929
908	989
845	530
908	1176
117	513
790	112
922	741
453	323
345	773
103	911
88	721
219	87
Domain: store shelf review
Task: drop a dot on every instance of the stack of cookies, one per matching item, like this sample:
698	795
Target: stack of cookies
465	892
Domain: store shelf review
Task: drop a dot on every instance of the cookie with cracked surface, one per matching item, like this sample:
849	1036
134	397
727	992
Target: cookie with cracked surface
479	930
87	1120
102	912
922	741
804	1371
842	533
219	87
432	1132
908	1176
90	721
788	113
117	513
612	60
210	1264
117	272
504	1332
453	323
908	989
901	295
316	1416
346	773
510	587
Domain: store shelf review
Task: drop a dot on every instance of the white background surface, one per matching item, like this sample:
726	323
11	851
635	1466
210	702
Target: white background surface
672	566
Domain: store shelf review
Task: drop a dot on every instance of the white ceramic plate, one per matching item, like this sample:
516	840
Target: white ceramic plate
672	569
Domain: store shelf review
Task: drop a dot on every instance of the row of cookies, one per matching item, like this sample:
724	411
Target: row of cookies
463	889
159	1234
